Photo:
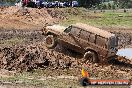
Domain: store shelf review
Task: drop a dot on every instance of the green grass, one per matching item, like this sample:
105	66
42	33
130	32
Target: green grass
50	83
36	78
39	79
101	19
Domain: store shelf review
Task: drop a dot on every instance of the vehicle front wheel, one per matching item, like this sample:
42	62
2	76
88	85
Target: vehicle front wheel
50	41
91	56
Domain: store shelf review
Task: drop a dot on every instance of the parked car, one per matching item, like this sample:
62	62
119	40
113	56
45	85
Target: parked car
75	4
56	3
41	3
61	4
51	4
67	4
45	4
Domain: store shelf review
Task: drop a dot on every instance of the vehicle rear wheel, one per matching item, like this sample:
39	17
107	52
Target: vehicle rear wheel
51	41
91	56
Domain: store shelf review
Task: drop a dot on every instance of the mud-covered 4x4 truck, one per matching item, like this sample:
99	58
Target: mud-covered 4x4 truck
95	44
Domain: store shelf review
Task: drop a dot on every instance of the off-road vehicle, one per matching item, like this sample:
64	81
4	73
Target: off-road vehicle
94	43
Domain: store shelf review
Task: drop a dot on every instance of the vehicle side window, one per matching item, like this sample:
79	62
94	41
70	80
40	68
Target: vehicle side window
92	38
101	41
84	35
75	31
67	30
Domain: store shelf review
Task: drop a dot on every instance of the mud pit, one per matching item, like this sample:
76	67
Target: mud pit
22	49
30	53
28	49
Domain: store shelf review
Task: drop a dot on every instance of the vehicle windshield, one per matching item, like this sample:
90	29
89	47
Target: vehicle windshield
67	30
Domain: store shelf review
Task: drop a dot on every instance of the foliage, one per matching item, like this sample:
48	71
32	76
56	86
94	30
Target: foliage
124	3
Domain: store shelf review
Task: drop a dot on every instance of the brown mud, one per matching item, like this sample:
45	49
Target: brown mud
22	45
31	53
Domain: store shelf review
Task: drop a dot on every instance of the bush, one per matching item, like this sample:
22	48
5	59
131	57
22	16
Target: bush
109	6
113	6
129	4
104	6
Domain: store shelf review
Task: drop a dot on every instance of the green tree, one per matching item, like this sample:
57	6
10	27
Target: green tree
109	6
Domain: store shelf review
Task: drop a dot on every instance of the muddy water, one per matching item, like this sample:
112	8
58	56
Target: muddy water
127	52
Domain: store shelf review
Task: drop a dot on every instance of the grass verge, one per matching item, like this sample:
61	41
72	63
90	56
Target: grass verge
100	19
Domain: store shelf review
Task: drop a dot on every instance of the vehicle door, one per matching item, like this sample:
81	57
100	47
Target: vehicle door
87	39
71	36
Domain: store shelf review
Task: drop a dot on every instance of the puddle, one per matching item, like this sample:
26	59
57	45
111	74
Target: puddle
127	52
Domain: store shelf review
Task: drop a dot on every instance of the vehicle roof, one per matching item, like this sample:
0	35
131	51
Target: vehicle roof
56	28
95	30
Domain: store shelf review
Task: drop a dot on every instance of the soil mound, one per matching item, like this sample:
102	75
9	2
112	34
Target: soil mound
24	18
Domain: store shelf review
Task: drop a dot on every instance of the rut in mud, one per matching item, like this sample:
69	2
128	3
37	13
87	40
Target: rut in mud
25	50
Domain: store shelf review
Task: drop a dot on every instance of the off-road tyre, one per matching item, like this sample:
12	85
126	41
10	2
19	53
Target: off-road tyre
50	41
91	56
